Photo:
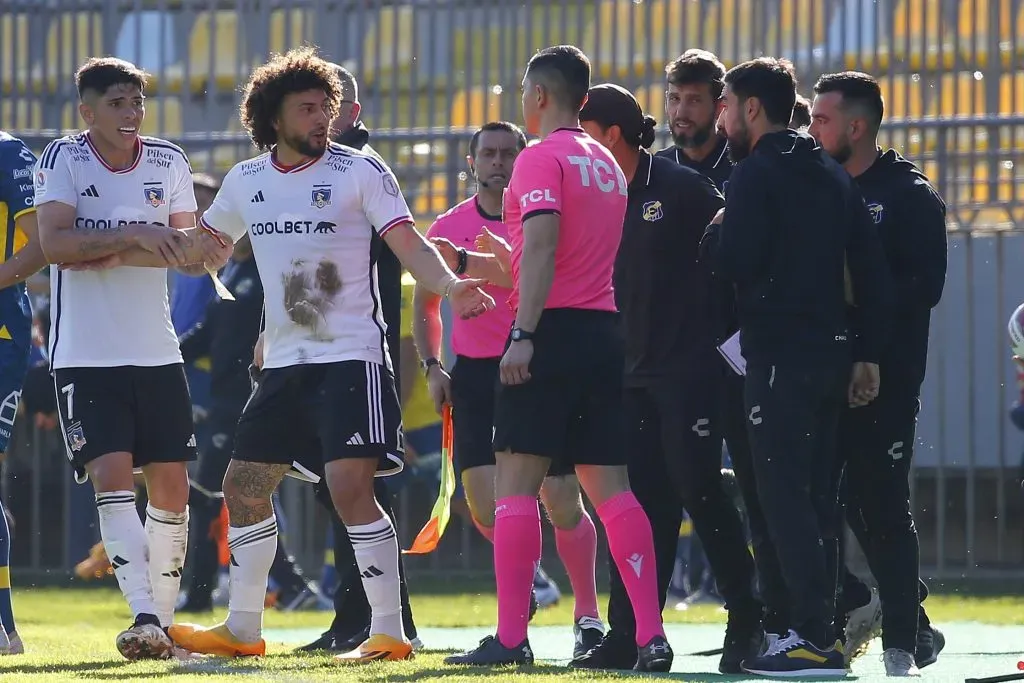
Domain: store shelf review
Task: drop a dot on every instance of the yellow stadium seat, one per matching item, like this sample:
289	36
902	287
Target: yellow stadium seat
917	39
14	41
959	95
652	100
1009	185
630	38
388	46
163	117
290	29
975	30
476	106
800	26
71	39
1011	94
727	27
20	113
432	197
228	64
903	96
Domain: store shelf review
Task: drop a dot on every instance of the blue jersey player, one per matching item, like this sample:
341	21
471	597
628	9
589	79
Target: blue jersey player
20	258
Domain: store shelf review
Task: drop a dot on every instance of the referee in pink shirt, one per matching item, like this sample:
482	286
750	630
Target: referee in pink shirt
560	399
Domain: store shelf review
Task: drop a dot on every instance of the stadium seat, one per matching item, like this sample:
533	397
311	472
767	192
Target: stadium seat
476	106
903	96
728	27
218	54
630	38
1011	102
917	39
70	120
975	31
388	47
14	53
20	114
959	95
163	117
290	29
432	197
71	39
1009	185
652	100
800	27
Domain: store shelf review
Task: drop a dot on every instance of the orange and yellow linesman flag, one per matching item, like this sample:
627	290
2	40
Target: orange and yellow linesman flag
430	535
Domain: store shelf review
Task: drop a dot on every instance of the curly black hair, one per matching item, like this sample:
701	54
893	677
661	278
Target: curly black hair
297	70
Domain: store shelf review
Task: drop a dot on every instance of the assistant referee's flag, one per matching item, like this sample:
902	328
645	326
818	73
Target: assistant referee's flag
429	536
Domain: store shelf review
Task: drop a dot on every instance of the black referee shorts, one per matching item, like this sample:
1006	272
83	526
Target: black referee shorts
570	410
474	389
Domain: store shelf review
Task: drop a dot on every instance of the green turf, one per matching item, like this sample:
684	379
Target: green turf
69	634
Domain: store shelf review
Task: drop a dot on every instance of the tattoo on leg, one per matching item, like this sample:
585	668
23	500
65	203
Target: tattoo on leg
250	486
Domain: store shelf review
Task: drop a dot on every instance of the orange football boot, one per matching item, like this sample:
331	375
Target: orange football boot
377	648
215	640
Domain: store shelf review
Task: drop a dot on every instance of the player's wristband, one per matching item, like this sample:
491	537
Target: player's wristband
448	287
460	269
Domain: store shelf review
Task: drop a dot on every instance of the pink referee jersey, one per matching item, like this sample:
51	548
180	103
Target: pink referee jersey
485	335
570	174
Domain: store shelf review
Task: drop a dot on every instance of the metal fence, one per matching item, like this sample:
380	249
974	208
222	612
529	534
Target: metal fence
430	71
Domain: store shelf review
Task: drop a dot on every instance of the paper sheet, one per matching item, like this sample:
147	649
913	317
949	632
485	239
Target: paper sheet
730	350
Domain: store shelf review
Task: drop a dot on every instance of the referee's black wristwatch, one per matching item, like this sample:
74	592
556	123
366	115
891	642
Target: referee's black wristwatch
519	334
428	363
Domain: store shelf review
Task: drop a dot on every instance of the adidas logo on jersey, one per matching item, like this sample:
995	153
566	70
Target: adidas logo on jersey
355	440
257	198
191	442
371	573
90	192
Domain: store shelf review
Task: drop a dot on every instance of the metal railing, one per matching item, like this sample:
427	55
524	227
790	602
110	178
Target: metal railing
430	71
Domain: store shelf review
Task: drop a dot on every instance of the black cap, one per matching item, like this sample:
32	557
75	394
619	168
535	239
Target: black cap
610	105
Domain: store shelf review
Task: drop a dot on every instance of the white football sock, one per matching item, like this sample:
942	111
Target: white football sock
168	537
252	552
124	539
376	550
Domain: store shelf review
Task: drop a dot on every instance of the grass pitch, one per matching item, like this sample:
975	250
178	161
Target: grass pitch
69	636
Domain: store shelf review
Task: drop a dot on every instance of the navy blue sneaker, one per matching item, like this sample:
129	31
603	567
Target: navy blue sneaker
490	652
794	657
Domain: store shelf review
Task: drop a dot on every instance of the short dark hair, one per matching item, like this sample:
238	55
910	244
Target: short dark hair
697	66
857	88
565	71
297	70
99	73
801	113
505	126
772	81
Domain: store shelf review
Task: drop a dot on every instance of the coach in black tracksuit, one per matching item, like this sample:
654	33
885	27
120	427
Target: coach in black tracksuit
672	377
792	217
717	166
877	441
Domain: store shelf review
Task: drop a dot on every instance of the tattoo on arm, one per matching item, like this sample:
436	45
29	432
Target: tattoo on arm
103	246
250	486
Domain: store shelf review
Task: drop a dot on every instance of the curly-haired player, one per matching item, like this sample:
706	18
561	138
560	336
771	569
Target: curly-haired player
317	213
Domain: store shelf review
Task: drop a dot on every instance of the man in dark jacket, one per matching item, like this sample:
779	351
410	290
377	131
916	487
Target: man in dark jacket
351	610
877	441
793	219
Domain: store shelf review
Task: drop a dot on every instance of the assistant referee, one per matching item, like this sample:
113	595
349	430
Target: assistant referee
673	378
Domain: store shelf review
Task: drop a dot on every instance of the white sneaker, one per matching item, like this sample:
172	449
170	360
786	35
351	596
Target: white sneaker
545	589
5	642
17	646
416	643
144	639
863	625
899	663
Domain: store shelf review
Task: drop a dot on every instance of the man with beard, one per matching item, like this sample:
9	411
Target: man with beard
693	103
672	378
877	441
351	623
791	300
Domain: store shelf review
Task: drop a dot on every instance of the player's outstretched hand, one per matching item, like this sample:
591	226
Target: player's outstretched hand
489	243
165	241
864	384
515	364
449	252
105	263
468	300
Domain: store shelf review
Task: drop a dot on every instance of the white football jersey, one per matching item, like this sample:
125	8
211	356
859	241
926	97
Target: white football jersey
314	231
119	316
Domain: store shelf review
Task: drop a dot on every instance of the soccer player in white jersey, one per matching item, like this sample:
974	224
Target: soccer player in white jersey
316	213
105	198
